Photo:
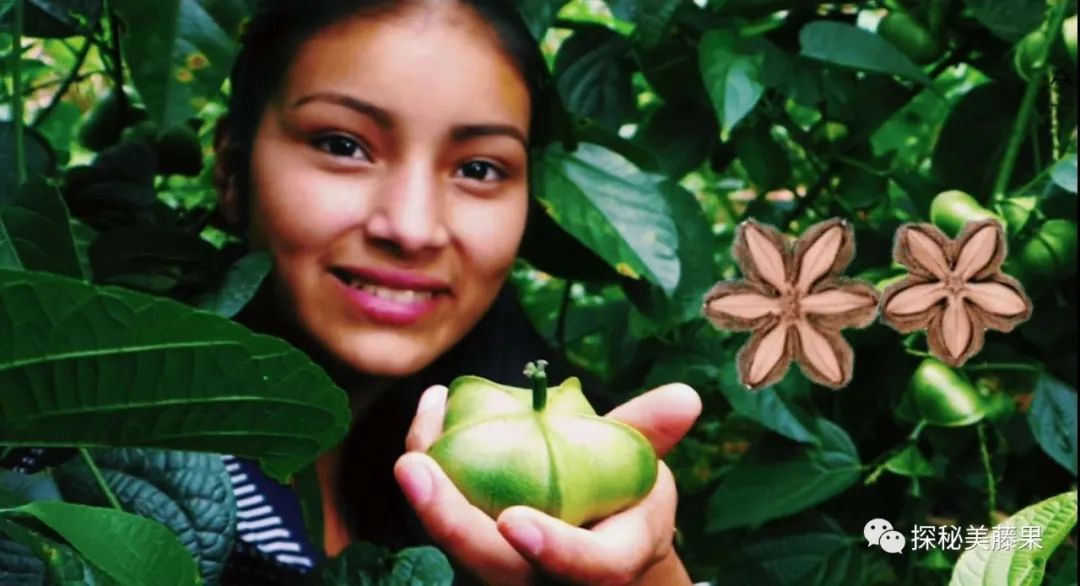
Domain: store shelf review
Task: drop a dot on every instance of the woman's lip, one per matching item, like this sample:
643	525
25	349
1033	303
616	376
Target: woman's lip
393	279
387	311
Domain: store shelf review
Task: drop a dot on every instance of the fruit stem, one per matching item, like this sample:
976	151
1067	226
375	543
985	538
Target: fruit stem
535	371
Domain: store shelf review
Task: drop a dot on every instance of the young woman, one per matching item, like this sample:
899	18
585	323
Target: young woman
379	151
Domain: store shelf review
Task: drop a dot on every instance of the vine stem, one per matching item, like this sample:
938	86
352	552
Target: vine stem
880	461
991	489
1012	149
104	486
16	91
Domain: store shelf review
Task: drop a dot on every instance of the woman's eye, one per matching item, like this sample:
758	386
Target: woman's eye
341	146
481	171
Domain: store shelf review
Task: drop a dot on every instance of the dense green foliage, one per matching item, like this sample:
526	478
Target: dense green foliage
677	120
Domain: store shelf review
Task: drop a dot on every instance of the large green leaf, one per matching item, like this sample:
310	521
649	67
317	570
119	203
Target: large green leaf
1052	419
778	477
593	76
180	52
734	76
35	233
614	208
810	550
1008	20
1023	565
365	564
539	14
765	161
59	18
851	46
697	271
102	366
57	564
128	548
773	407
680	135
190	493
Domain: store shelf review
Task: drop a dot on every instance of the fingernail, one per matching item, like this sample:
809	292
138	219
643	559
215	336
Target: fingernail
527	536
417	485
431	399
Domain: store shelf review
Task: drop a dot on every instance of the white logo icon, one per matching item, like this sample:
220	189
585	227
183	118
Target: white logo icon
892	542
880	532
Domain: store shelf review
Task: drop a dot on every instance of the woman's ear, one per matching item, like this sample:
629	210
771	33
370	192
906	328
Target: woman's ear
225	175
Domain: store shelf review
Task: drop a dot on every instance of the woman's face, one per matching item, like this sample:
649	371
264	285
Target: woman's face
389	184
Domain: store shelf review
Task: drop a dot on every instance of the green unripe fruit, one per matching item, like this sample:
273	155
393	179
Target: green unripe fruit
950	210
1047	257
547	448
940	396
1068	37
180	152
910	36
106	122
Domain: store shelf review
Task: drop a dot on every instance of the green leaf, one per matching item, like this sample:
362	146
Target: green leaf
24	488
539	14
309	494
851	46
35	232
128	548
59	18
190	493
654	19
613	208
1064	173
239	287
103	366
40	159
366	564
421	565
697	271
179	53
772	407
593	76
1052	419
1020	566
808	550
680	135
1008	20
56	563
18	564
734	76
84	237
765	161
910	462
777	478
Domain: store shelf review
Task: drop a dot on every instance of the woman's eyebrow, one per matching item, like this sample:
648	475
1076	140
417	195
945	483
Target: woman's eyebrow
470	131
381	116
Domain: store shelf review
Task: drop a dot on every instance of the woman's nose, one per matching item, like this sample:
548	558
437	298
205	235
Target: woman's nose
409	212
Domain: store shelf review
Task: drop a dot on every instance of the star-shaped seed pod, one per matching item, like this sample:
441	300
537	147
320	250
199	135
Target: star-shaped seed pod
794	302
955	289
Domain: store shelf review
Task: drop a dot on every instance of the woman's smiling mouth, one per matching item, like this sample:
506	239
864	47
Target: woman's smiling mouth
390	297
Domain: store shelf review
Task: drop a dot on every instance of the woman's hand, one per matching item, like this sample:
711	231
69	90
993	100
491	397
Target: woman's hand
630	547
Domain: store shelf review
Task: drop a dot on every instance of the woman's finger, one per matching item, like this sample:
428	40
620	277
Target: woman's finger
463	531
618	550
427	424
663	415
